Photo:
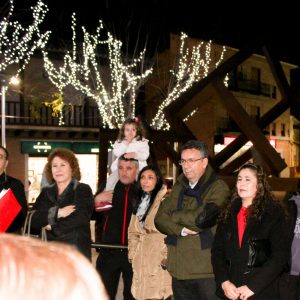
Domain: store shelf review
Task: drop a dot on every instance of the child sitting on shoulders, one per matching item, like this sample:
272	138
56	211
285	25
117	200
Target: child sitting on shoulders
132	144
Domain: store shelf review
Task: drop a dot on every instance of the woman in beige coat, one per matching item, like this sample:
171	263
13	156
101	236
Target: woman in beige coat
146	248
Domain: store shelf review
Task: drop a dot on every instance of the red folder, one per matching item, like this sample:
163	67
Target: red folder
9	209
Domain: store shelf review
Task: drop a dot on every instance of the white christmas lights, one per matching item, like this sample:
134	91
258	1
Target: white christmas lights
191	68
112	86
18	43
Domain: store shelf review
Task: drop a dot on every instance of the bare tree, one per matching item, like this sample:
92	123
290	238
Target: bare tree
18	43
112	82
192	65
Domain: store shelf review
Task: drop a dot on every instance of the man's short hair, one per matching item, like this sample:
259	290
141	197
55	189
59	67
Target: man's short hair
135	161
195	144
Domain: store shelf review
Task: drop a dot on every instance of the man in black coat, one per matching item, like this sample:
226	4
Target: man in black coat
111	262
17	188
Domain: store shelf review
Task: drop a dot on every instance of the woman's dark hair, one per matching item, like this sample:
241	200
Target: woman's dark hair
158	186
262	198
139	129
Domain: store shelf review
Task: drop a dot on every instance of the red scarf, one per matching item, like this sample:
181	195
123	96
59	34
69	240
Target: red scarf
242	221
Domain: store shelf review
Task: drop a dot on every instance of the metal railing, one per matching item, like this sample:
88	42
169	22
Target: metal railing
107	246
18	113
252	87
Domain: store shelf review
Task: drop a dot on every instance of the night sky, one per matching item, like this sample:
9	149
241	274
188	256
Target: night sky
149	22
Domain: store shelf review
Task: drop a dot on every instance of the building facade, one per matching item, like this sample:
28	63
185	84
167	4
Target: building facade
253	85
32	131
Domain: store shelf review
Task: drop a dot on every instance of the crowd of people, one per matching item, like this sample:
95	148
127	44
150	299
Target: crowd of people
200	240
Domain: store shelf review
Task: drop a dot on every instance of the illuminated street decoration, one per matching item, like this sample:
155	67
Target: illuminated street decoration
192	66
18	43
113	86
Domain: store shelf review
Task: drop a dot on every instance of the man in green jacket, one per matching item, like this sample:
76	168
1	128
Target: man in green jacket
188	217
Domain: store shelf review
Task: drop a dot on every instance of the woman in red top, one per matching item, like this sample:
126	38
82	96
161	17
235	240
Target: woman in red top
251	248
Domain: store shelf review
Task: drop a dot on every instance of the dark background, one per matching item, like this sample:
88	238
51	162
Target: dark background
149	22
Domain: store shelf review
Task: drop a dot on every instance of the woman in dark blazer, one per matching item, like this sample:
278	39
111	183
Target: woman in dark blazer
65	207
251	248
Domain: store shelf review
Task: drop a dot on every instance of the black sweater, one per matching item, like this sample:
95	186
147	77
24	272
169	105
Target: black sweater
116	220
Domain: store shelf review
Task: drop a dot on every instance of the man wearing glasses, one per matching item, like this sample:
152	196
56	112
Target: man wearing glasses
17	188
188	217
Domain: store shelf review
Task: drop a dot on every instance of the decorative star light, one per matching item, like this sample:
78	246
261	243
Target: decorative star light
191	67
18	43
113	85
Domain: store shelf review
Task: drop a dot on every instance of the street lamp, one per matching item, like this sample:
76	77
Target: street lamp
4	85
3	90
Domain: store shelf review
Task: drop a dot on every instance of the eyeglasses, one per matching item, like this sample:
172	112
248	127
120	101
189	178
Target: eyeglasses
2	157
189	161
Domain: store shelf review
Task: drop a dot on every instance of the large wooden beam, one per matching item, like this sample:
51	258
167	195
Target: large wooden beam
236	163
196	102
249	128
267	118
278	73
185	104
241	140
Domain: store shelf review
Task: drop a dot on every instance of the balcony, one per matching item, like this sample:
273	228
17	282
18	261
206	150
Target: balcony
29	114
30	121
253	87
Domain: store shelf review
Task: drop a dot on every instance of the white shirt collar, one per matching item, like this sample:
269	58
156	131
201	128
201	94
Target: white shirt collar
192	185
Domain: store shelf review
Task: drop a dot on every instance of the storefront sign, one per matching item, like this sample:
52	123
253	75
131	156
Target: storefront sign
45	147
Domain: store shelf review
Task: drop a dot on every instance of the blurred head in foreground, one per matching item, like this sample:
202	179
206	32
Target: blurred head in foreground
32	269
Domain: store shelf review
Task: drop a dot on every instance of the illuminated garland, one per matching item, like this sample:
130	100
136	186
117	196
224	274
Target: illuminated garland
191	68
112	86
17	43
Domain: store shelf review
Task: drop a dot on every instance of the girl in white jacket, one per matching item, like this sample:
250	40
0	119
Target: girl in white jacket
132	144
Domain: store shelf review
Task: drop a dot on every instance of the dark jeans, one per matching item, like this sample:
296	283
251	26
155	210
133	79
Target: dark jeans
289	286
110	264
194	289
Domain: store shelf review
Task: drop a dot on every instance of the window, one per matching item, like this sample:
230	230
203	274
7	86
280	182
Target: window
241	73
274	93
254	112
282	129
255	74
273	129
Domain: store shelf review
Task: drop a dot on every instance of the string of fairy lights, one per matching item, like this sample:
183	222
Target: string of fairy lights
18	43
192	66
113	87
